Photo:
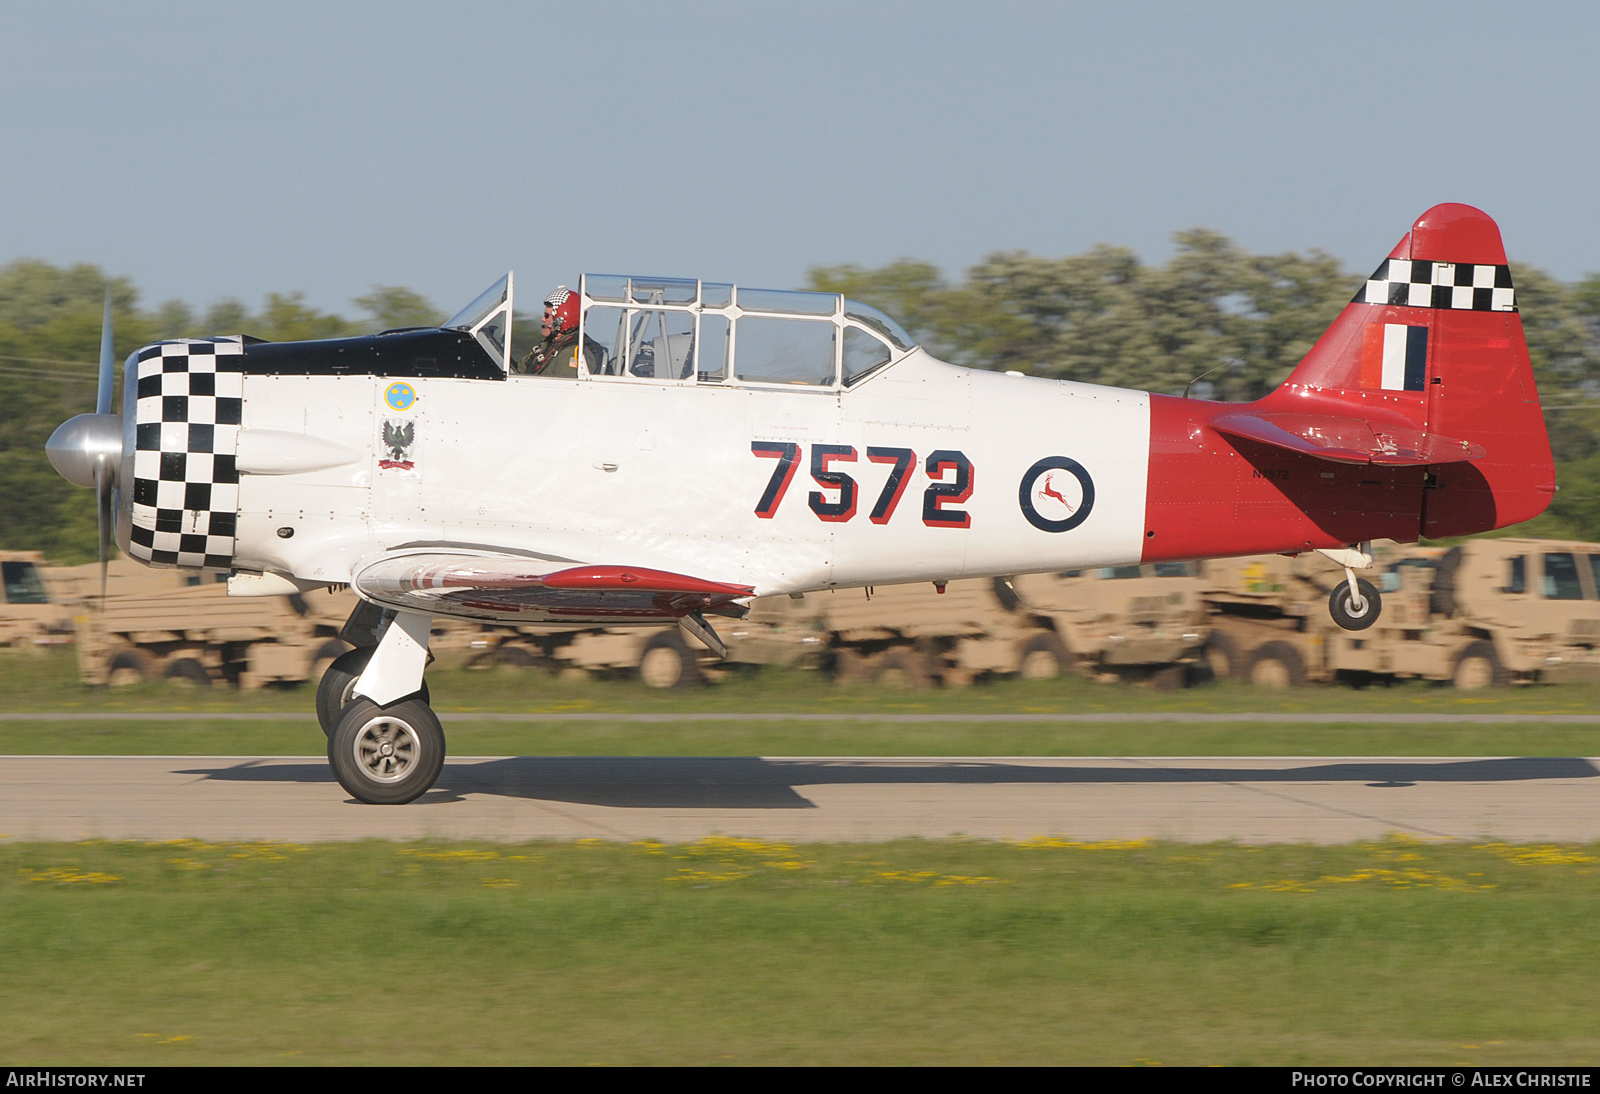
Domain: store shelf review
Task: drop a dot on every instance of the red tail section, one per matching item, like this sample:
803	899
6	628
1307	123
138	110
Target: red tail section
1415	415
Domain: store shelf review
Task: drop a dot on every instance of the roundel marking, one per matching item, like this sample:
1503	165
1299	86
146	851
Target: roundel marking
1056	494
400	396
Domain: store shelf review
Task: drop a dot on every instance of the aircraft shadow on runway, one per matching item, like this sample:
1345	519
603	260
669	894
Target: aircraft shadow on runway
738	782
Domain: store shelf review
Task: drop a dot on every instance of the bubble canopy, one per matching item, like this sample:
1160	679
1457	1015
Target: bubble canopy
686	331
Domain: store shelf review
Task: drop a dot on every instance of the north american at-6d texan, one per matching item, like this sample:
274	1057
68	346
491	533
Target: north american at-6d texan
678	447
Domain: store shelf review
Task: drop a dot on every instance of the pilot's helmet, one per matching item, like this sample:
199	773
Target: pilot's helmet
563	305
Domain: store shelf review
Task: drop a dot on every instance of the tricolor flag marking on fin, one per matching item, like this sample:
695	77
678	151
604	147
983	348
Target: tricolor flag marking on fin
1394	357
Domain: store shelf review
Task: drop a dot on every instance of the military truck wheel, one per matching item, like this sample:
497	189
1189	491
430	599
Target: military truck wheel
1478	667
668	662
130	667
1277	665
189	673
334	690
1341	605
902	668
1221	656
387	755
1044	658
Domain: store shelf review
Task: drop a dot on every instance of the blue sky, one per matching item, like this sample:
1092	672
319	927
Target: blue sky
228	150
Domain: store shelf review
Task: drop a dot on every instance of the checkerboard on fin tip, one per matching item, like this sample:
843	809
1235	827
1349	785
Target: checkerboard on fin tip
188	403
1459	286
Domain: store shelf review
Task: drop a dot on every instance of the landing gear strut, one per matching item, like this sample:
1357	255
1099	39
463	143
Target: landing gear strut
1358	610
1354	603
385	744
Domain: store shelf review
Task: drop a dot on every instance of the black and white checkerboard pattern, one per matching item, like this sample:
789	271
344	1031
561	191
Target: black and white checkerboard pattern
185	485
1461	286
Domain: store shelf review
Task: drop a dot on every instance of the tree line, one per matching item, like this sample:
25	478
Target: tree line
1234	322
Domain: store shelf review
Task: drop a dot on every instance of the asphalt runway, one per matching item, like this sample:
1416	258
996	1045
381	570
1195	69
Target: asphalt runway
808	799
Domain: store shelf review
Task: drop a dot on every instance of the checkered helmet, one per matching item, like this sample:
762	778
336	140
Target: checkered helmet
563	305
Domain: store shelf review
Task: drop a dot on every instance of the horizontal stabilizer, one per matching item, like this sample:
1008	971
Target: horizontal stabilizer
1348	440
508	587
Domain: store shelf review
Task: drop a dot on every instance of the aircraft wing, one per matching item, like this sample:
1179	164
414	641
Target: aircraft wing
1348	440
514	588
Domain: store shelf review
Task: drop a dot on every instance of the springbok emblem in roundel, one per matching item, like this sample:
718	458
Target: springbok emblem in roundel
1056	494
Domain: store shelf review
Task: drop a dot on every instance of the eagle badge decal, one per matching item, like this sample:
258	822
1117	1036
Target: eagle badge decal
398	439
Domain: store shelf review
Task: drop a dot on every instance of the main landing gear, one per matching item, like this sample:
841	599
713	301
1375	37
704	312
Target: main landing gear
385	744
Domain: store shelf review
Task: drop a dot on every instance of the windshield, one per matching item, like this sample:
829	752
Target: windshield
475	312
868	316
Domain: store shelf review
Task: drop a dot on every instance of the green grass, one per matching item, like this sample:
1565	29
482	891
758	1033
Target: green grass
299	736
743	952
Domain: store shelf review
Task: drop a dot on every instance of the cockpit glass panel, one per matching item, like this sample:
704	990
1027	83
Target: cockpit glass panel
711	355
869	316
662	290
783	351
864	354
607	287
792	303
641	343
474	313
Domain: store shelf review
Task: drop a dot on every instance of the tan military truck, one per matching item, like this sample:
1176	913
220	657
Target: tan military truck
1488	612
1142	623
34	613
172	624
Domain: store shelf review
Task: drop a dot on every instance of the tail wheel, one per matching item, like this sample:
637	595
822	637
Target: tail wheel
387	755
1352	617
1277	665
668	662
1478	667
337	686
1044	658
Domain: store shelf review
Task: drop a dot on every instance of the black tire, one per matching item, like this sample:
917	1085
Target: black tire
1220	656
1044	657
130	667
667	662
188	672
334	689
1277	665
1342	606
329	652
387	755
1478	666
1170	678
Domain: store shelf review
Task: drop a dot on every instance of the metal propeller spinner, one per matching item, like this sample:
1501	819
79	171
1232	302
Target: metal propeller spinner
87	450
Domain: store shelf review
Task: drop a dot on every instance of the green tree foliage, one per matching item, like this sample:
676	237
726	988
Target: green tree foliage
391	307
49	352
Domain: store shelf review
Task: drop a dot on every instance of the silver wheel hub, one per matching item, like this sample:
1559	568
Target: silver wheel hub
387	749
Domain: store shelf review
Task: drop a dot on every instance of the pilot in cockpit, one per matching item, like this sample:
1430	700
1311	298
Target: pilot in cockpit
555	355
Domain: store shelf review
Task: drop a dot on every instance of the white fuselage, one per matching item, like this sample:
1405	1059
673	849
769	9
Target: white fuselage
611	470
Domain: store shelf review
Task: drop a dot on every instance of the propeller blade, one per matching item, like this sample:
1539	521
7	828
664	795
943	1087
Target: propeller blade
102	489
108	370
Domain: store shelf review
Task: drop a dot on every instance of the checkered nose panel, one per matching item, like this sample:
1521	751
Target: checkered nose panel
185	485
